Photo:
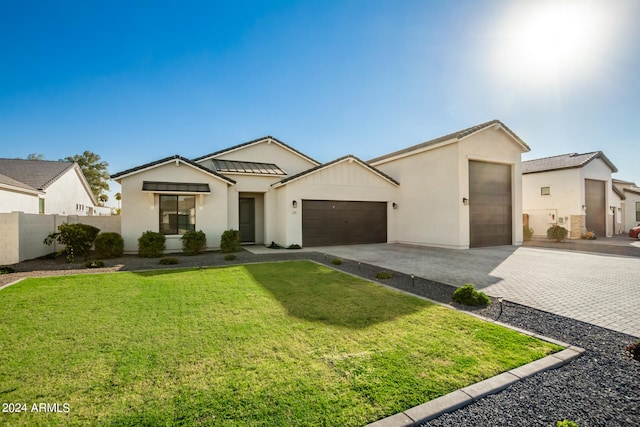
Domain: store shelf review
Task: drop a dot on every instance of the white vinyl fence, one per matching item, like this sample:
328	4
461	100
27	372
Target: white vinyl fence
21	234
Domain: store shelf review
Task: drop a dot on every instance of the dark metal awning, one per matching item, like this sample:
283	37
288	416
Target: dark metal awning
179	187
233	166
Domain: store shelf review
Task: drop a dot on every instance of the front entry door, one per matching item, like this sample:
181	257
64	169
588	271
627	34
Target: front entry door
247	214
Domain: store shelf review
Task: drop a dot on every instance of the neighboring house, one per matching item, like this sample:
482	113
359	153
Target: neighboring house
630	195
571	190
460	190
45	187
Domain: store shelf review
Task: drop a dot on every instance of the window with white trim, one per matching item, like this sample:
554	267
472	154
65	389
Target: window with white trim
177	213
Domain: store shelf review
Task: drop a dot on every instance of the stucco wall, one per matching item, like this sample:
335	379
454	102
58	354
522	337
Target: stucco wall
65	193
567	196
434	182
266	152
566	199
140	210
22	234
347	181
14	201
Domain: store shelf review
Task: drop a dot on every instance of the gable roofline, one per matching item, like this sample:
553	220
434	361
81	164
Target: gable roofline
267	139
618	192
175	158
348	157
632	191
85	184
450	139
11	184
565	161
621	181
37	174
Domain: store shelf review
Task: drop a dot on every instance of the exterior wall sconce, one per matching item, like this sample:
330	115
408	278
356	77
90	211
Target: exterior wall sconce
294	204
465	201
395	205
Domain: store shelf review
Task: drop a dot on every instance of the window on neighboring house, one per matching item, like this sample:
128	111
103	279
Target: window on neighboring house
177	214
545	191
637	211
41	206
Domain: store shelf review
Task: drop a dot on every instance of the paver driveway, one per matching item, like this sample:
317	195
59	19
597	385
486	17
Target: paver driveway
603	290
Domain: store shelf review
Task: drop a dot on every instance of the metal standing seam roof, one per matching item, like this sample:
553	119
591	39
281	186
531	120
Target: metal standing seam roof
565	161
236	166
36	174
169	159
452	136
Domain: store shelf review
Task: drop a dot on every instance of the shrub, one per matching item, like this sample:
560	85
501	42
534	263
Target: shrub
169	260
109	245
589	235
527	232
193	242
230	241
94	263
467	295
230	257
383	275
566	423
557	233
151	244
78	239
336	261
634	350
6	270
294	246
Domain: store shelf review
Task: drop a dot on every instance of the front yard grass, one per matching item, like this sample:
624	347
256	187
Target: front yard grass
292	343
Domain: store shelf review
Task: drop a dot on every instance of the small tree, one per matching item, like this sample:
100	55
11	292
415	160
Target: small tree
78	239
557	233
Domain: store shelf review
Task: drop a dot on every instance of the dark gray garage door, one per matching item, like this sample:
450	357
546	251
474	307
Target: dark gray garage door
328	222
490	210
595	204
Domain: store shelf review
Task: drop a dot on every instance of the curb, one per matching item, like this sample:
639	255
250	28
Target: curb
467	395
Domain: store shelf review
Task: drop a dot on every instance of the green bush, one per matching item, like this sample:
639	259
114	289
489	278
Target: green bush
78	239
169	260
193	242
527	232
336	261
151	244
383	275
467	295
94	263
294	246
566	423
230	257
109	245
557	233
634	350
230	241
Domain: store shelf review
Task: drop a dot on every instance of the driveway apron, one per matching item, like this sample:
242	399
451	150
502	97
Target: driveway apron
603	290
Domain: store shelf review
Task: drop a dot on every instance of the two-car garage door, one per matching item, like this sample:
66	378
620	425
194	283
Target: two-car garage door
331	222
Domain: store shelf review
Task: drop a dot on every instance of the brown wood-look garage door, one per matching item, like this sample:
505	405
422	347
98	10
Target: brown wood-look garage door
490	206
595	204
330	222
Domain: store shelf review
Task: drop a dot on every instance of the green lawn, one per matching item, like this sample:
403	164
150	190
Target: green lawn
274	344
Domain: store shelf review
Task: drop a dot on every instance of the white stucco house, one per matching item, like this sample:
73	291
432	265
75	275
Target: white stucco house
45	187
574	191
629	194
460	190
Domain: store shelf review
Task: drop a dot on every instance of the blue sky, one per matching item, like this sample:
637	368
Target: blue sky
138	81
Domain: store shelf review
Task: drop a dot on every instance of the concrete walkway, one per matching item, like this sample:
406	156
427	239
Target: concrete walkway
600	289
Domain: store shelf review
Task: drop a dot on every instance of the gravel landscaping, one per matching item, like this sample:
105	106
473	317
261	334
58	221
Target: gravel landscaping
600	388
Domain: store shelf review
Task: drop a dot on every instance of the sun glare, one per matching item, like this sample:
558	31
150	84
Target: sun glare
544	42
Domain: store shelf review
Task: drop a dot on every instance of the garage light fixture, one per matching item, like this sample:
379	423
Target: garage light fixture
294	204
465	201
395	205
